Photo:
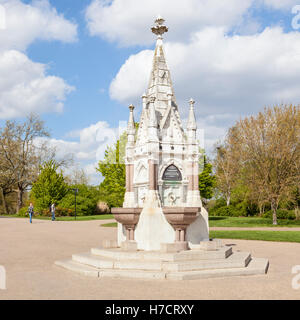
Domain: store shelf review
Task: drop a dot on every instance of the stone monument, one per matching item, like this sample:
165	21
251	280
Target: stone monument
163	228
162	200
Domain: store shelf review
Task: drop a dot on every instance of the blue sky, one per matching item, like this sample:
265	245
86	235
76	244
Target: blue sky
90	65
80	63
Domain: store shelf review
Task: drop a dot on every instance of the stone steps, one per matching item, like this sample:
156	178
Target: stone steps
118	254
78	268
105	263
254	267
236	260
184	265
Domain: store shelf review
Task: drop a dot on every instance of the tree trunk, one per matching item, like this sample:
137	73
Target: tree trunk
297	213
4	202
228	200
261	210
20	199
274	209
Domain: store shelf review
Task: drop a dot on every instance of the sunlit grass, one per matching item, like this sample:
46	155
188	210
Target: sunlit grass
250	222
78	218
282	236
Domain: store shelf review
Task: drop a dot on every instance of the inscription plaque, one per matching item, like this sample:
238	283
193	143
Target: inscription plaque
172	174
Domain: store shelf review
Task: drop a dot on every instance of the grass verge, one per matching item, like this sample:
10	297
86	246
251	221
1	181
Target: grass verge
281	236
110	225
250	222
78	218
240	222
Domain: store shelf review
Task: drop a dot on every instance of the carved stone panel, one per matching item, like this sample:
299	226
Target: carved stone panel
172	195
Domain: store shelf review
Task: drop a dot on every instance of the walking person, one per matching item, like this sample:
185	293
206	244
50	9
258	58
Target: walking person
53	211
30	211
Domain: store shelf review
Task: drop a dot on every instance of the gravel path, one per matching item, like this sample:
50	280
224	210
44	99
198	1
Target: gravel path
28	253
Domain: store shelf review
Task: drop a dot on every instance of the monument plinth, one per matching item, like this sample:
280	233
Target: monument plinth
163	227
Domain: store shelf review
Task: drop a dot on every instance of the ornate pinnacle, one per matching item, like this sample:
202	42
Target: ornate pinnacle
130	125
159	29
192	121
152	99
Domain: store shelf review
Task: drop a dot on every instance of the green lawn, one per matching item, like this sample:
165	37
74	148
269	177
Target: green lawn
78	218
285	236
250	222
110	225
240	222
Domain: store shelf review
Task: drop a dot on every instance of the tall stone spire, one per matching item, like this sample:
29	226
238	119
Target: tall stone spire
160	83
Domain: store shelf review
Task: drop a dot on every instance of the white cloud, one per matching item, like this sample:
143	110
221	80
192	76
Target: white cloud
26	23
90	143
88	146
25	85
280	4
128	22
225	75
136	69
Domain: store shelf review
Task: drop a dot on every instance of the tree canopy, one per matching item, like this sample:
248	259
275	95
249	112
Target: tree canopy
207	180
112	168
50	186
262	153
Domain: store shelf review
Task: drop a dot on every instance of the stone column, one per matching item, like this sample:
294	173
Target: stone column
129	178
129	194
152	175
193	196
177	235
191	178
182	235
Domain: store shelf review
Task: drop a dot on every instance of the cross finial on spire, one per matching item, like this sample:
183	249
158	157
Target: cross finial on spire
192	102
159	29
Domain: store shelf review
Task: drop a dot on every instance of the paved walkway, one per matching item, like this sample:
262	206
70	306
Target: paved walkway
28	253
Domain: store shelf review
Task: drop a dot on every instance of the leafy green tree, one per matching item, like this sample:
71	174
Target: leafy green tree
207	180
50	186
112	168
86	200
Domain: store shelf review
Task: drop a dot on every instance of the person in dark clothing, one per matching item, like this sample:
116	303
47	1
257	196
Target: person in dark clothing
53	211
30	212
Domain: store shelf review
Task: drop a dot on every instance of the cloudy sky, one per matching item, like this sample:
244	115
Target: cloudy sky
80	63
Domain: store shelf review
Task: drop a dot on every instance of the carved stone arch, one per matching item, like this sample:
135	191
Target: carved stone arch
167	164
172	173
141	169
